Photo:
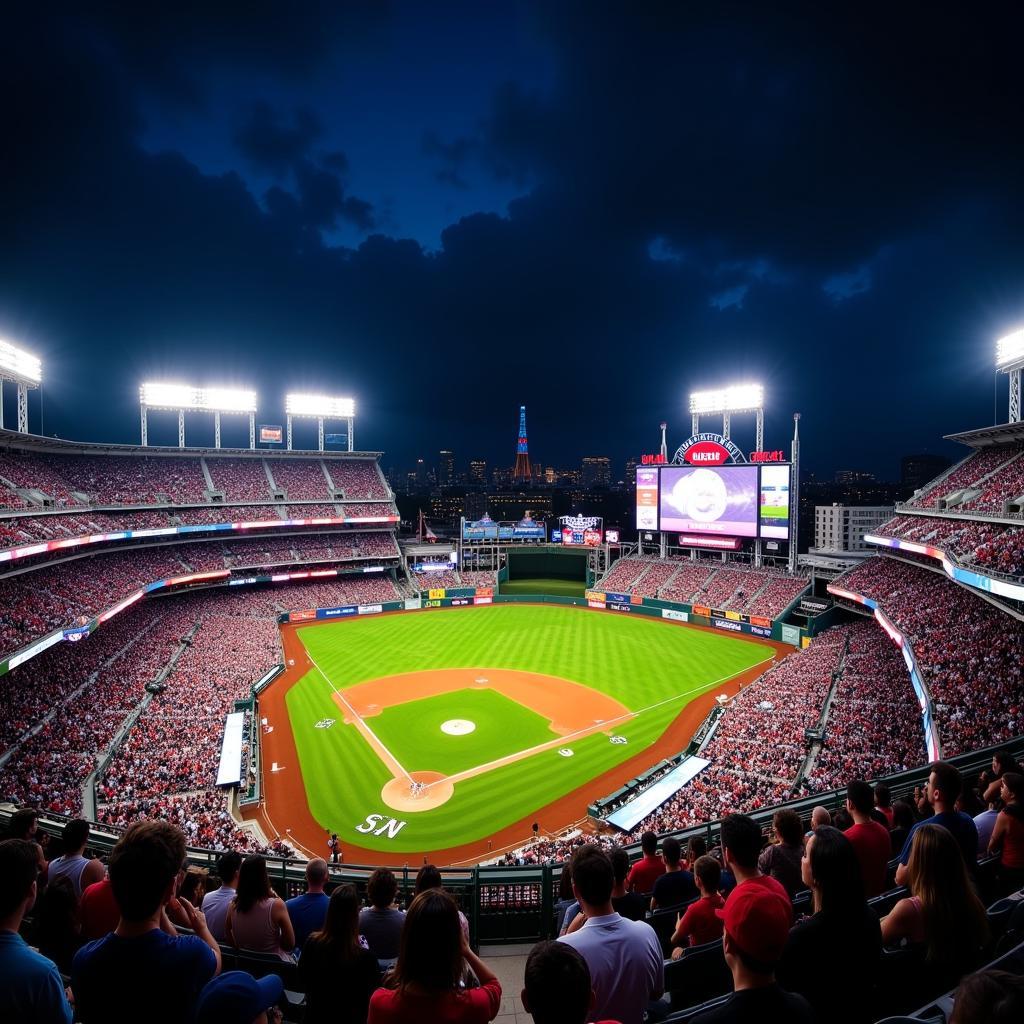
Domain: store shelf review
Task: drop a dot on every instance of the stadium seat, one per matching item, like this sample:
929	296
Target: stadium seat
663	921
685	1016
699	975
883	903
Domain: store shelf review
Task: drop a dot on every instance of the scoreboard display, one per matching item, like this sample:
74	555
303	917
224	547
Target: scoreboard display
745	501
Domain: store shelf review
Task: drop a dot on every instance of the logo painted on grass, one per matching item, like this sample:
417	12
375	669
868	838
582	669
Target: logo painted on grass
324	723
618	740
565	752
378	824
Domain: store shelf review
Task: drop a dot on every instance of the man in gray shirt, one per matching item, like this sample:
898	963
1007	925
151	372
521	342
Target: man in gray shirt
381	922
216	903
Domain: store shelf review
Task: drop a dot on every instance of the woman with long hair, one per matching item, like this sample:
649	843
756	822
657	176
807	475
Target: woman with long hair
338	973
1008	835
943	917
1002	762
426	982
841	940
257	917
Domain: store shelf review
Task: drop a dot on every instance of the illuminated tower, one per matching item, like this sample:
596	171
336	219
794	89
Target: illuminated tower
522	474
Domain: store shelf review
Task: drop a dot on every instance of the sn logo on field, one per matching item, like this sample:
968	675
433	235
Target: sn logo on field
324	723
378	824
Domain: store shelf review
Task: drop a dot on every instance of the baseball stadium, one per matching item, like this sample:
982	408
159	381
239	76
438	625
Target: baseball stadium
242	642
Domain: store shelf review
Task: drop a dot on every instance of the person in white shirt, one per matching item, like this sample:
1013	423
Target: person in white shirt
626	966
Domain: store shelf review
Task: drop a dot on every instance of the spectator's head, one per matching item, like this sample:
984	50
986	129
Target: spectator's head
341	925
820	817
831	870
23	824
788	827
565	882
430	951
672	851
860	798
75	835
428	877
883	798
996	997
1004	761
381	888
842	819
620	864
316	874
192	886
696	846
757	922
144	867
236	997
253	883
228	866
708	873
1011	790
944	785
741	842
556	985
592	875
19	870
649	844
902	815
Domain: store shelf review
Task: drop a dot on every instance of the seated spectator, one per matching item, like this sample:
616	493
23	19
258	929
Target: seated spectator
31	990
942	918
757	920
381	922
426	982
696	846
80	870
58	934
631	905
741	844
193	886
902	822
307	912
781	860
98	911
819	819
676	885
883	802
338	974
1003	761
238	998
144	969
257	917
24	824
1008	834
985	823
646	871
940	794
556	985
840	941
428	877
870	840
700	923
565	898
624	957
996	997
216	903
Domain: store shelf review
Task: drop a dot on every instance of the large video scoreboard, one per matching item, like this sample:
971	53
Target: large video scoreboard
749	501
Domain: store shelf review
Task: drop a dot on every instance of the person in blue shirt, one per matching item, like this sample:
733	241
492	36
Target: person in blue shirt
31	990
144	970
308	911
944	786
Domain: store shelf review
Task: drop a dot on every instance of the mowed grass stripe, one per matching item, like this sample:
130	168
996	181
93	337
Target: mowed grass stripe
638	661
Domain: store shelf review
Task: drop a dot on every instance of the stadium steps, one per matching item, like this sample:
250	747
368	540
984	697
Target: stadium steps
749	604
274	489
332	487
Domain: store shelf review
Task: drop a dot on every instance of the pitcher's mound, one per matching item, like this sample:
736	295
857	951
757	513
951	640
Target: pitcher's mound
399	795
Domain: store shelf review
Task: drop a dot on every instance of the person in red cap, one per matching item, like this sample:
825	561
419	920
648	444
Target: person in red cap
757	919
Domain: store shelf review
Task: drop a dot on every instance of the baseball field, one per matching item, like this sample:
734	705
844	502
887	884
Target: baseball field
435	730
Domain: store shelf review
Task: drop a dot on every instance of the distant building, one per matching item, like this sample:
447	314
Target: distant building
502	477
522	473
475	505
478	471
597	471
445	468
840	529
917	470
631	465
854	476
446	508
550	476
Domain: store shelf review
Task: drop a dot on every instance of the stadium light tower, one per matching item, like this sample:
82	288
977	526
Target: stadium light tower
1010	360
182	398
320	408
724	402
26	371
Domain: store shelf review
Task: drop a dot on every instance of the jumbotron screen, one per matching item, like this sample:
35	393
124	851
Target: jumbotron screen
733	501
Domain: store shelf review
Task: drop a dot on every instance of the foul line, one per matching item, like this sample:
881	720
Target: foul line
389	759
562	741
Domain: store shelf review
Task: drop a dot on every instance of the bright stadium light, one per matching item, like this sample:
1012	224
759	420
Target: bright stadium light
17	364
739	398
25	371
168	396
1010	349
318	406
227	400
182	398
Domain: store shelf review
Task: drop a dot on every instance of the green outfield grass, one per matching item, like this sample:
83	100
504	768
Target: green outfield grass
652	667
557	587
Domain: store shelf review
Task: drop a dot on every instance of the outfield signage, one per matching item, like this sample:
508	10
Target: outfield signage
618	606
459	601
483	600
335	613
617	598
671	613
791	635
370	609
736	627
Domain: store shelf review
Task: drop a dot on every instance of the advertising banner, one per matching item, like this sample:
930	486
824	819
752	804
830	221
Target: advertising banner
699	609
734	616
336	613
436	595
757	620
646	499
814	605
761	631
671	613
370	609
483	600
271	434
485	592
412	604
718	500
618	606
303	616
459	601
595	604
617	598
791	635
736	627
432	604
595	595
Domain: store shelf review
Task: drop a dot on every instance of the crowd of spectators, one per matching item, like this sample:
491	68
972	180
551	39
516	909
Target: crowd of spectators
358	479
300	479
368	508
1005	485
969	653
239	479
969	474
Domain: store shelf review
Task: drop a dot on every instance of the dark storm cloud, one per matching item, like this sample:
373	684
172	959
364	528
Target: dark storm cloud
830	206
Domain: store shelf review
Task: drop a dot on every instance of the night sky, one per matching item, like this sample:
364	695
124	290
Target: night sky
450	209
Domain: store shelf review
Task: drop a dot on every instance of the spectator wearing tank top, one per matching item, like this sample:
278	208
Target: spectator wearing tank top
79	870
258	918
